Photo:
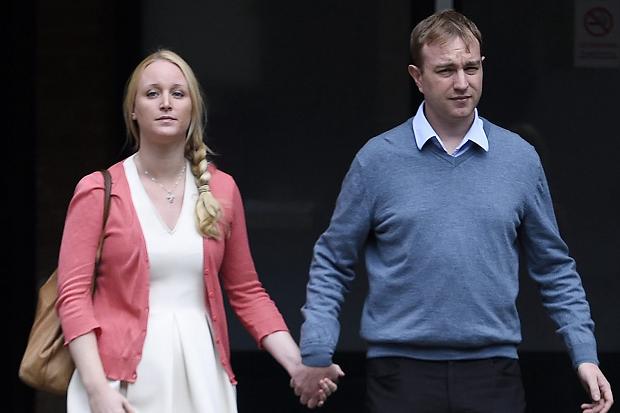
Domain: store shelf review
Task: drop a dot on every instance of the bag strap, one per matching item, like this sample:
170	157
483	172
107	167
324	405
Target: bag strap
107	185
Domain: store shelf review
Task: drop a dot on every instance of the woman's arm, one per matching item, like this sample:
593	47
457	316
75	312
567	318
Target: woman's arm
284	349
101	397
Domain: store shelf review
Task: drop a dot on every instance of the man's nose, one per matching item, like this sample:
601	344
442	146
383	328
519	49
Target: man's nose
460	80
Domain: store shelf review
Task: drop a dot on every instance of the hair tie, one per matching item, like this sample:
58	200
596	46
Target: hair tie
204	188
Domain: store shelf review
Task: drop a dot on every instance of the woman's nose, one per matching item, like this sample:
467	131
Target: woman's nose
165	102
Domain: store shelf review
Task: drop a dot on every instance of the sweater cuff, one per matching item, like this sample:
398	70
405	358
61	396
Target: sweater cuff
315	356
583	353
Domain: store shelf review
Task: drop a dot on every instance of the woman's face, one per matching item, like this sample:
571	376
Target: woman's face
163	107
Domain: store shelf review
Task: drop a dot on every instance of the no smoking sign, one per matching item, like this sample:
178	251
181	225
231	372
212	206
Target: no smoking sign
598	21
597	38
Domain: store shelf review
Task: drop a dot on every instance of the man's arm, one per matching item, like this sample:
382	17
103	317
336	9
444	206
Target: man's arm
555	273
563	296
331	273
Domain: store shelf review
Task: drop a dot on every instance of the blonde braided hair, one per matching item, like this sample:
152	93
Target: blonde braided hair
208	211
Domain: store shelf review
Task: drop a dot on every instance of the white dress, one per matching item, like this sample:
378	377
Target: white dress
180	371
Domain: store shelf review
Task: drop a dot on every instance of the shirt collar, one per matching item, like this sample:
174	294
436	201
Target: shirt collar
423	131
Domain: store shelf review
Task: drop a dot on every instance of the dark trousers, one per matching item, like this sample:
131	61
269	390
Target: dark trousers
403	385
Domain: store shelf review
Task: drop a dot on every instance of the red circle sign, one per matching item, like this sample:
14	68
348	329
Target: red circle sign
598	21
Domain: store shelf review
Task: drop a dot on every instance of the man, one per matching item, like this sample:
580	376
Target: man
439	208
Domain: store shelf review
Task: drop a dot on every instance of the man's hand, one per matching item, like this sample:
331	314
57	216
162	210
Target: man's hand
314	384
597	387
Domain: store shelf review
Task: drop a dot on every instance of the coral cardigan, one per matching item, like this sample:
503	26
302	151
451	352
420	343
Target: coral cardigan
119	309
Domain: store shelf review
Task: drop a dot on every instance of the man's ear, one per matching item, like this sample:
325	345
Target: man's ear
416	75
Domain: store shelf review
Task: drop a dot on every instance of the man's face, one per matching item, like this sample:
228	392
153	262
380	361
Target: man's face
450	80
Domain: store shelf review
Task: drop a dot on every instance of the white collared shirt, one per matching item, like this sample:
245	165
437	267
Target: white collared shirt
423	131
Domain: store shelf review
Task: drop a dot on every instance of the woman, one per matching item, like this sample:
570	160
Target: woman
153	336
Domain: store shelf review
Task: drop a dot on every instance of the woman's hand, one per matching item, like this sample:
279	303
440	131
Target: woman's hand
105	399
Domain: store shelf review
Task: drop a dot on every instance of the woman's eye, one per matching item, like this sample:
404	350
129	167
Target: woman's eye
178	94
151	93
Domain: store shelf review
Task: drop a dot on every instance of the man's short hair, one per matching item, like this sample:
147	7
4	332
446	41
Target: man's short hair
442	26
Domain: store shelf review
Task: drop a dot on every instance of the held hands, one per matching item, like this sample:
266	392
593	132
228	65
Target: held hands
314	384
597	387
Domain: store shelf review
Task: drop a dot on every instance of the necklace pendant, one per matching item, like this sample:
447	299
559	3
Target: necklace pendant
170	197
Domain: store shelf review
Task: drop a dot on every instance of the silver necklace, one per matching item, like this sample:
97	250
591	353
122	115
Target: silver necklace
170	197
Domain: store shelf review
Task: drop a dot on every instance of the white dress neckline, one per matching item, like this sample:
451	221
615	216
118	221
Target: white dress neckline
133	176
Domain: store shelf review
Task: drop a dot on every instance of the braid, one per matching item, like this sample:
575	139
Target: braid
208	211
